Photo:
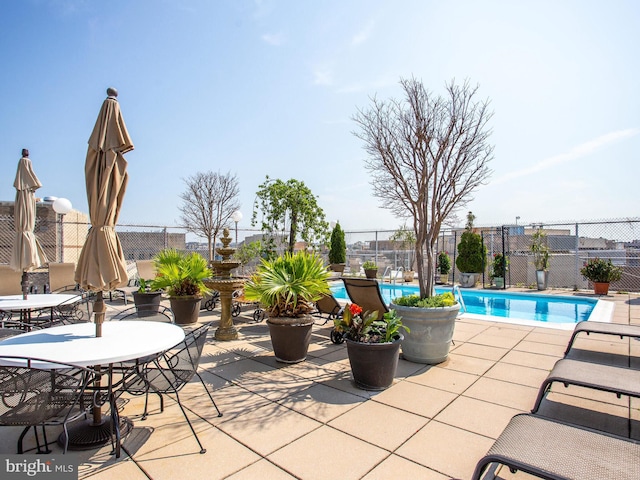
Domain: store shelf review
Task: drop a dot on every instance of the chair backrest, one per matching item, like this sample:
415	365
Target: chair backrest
62	276
328	304
180	363
151	313
146	269
33	395
366	293
10	281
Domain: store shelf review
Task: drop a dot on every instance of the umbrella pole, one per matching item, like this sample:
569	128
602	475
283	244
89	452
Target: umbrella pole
25	284
99	310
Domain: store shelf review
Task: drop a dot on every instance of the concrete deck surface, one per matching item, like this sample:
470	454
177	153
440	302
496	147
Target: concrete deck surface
308	421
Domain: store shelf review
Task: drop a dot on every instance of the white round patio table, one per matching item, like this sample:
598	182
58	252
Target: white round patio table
77	344
35	301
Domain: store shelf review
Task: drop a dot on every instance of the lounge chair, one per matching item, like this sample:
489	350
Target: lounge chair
604	328
10	281
555	450
62	277
607	378
328	308
366	293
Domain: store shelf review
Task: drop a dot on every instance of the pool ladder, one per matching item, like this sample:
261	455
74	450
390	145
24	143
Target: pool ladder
457	294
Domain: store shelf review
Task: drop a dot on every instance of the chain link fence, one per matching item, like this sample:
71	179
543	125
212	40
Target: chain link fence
570	245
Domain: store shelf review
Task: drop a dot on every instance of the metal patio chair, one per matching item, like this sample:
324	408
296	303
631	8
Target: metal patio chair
35	393
169	372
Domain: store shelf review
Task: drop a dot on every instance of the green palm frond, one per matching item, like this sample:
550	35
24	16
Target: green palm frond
181	274
288	286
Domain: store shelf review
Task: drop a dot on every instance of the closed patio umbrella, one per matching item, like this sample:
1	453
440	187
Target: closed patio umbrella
101	266
27	253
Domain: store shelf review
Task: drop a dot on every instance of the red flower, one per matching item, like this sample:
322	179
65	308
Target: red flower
355	309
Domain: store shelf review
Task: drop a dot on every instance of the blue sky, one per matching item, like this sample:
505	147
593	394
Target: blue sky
269	88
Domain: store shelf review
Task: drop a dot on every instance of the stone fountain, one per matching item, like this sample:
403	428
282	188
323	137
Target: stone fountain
226	284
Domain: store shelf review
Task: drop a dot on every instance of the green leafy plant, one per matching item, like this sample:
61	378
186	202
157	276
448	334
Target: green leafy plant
365	327
540	250
338	248
499	265
369	265
472	253
441	300
601	271
444	263
288	286
144	286
180	274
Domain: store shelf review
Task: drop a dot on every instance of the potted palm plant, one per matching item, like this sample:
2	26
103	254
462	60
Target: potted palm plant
287	288
337	250
182	276
540	252
146	299
600	273
373	345
370	269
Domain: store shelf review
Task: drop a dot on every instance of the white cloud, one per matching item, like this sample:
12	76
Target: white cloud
579	151
275	39
322	76
363	35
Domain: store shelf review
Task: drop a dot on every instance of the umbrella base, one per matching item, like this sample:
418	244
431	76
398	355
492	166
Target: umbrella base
86	435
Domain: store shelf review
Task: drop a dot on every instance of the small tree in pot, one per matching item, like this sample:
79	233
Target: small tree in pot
472	254
444	266
407	239
540	252
426	155
338	249
601	272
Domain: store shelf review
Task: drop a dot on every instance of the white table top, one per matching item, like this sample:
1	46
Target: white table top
78	344
35	300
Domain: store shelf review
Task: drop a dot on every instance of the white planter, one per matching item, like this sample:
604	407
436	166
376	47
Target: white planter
468	280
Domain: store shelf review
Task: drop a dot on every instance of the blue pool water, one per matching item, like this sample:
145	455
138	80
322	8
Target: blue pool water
508	305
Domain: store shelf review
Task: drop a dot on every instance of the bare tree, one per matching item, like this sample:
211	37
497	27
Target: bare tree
208	203
426	155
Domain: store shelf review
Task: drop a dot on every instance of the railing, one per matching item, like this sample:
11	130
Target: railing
456	290
393	274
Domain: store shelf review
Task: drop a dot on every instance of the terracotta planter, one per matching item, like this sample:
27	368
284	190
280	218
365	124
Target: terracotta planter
147	301
601	288
185	309
408	275
373	365
290	337
431	332
371	272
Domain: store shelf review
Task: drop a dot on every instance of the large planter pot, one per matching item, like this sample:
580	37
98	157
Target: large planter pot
601	288
499	282
338	267
373	365
408	275
371	272
542	279
468	280
147	301
185	309
290	337
431	332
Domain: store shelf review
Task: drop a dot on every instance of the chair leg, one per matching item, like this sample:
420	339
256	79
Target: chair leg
208	393
202	449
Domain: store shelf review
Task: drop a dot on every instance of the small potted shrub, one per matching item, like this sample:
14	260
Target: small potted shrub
444	267
499	267
370	269
472	255
146	299
540	252
601	272
182	276
287	288
373	345
337	250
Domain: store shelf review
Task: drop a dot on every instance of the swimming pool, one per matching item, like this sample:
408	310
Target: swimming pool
523	308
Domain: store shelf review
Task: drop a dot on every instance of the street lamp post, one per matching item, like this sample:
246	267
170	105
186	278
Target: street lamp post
236	217
517	218
62	206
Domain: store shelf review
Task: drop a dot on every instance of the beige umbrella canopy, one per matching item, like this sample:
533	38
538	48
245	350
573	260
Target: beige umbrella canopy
101	266
27	253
